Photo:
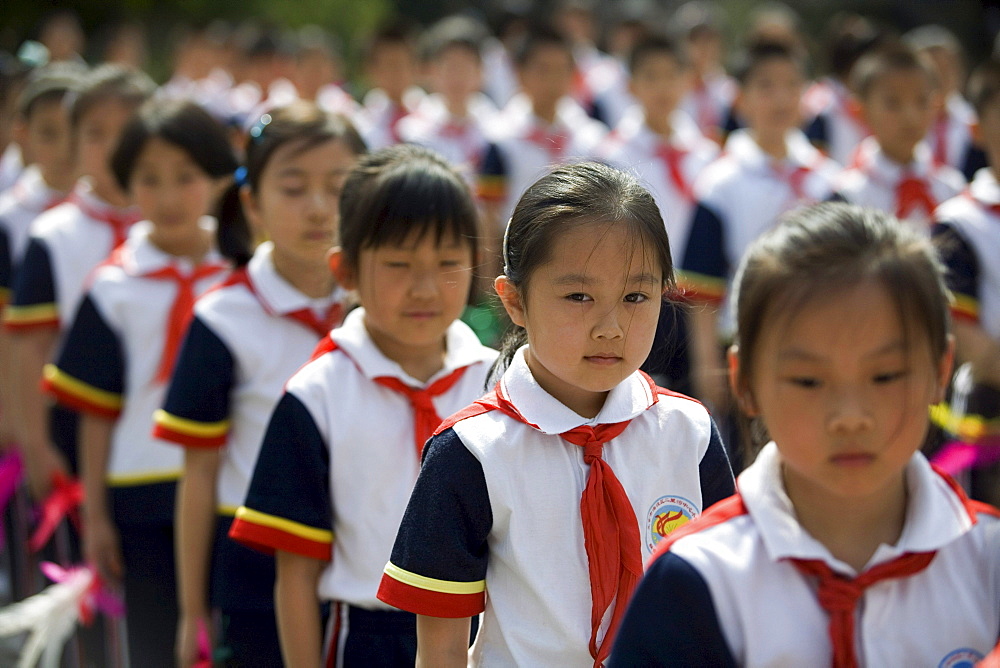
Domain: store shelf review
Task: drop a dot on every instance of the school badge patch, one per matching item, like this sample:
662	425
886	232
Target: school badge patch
961	658
665	515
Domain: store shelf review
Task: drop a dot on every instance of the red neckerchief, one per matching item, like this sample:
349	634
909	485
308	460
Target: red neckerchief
610	528
118	220
425	417
554	143
838	595
304	316
672	158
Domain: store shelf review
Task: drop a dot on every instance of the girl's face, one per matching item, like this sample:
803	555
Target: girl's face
843	398
173	192
97	135
297	199
590	313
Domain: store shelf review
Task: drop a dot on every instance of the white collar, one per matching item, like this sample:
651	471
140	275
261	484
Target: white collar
935	515
800	153
684	134
32	191
277	294
984	187
874	162
626	400
462	349
139	256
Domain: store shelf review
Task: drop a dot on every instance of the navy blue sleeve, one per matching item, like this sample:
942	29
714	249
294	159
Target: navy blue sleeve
6	263
705	252
974	160
817	132
33	299
199	391
716	473
836	197
671	621
959	259
443	532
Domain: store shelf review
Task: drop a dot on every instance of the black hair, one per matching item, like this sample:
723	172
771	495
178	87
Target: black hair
821	249
984	85
394	32
848	37
111	82
571	195
301	123
189	127
400	191
750	60
538	37
657	45
453	32
889	58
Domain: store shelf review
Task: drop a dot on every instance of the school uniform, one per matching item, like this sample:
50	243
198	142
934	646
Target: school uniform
708	103
11	165
968	243
739	197
461	141
333	99
596	75
21	204
909	192
247	337
523	149
950	137
64	245
339	457
378	120
834	123
501	492
728	590
114	363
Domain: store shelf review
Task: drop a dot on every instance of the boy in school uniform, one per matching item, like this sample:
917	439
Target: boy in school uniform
454	119
894	170
966	231
539	128
766	169
833	120
65	244
391	66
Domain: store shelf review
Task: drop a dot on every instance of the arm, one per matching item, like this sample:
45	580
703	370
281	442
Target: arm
30	351
708	370
442	642
195	522
296	607
974	345
100	537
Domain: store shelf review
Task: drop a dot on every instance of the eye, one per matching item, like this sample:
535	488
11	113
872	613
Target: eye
396	264
892	376
293	192
578	297
636	297
805	382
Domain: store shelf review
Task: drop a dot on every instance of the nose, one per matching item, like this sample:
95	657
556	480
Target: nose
609	325
319	206
849	412
424	284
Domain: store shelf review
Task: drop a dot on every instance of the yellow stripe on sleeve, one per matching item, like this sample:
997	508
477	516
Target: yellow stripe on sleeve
191	427
281	524
430	584
29	315
111	401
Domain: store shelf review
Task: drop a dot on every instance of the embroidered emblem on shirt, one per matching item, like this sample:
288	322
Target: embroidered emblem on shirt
961	658
665	515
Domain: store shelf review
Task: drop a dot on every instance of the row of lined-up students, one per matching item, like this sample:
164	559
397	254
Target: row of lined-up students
582	265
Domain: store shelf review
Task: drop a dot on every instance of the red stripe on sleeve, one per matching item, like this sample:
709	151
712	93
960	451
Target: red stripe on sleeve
430	603
187	440
268	539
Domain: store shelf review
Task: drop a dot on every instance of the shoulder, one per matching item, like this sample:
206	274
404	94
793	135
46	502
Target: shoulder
958	209
722	529
723	173
950	178
60	220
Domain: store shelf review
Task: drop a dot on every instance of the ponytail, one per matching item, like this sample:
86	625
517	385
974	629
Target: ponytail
232	235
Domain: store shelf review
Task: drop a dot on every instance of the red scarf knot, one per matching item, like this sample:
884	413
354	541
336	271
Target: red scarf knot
306	316
610	535
672	158
913	193
838	596
425	416
118	220
553	142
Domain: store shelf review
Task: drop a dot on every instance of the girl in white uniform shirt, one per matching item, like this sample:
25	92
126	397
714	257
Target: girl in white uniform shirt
174	161
246	339
843	546
549	492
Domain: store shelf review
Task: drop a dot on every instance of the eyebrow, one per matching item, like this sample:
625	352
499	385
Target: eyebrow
585	279
795	353
298	171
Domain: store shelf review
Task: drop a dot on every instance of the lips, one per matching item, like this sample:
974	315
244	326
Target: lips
603	359
852	459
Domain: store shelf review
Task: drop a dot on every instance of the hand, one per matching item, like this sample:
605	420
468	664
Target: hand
186	647
101	548
41	463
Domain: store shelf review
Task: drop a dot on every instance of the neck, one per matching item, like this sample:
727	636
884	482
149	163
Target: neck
545	112
419	361
660	125
772	143
58	182
457	107
851	528
312	280
193	247
109	193
898	155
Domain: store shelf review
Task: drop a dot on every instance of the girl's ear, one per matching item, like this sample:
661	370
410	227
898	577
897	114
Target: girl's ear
738	386
251	209
945	368
341	269
510	298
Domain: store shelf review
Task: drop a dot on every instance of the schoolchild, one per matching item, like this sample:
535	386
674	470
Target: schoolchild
341	451
894	170
391	68
699	23
842	537
549	492
246	339
766	169
966	236
833	120
539	128
454	119
64	246
174	161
